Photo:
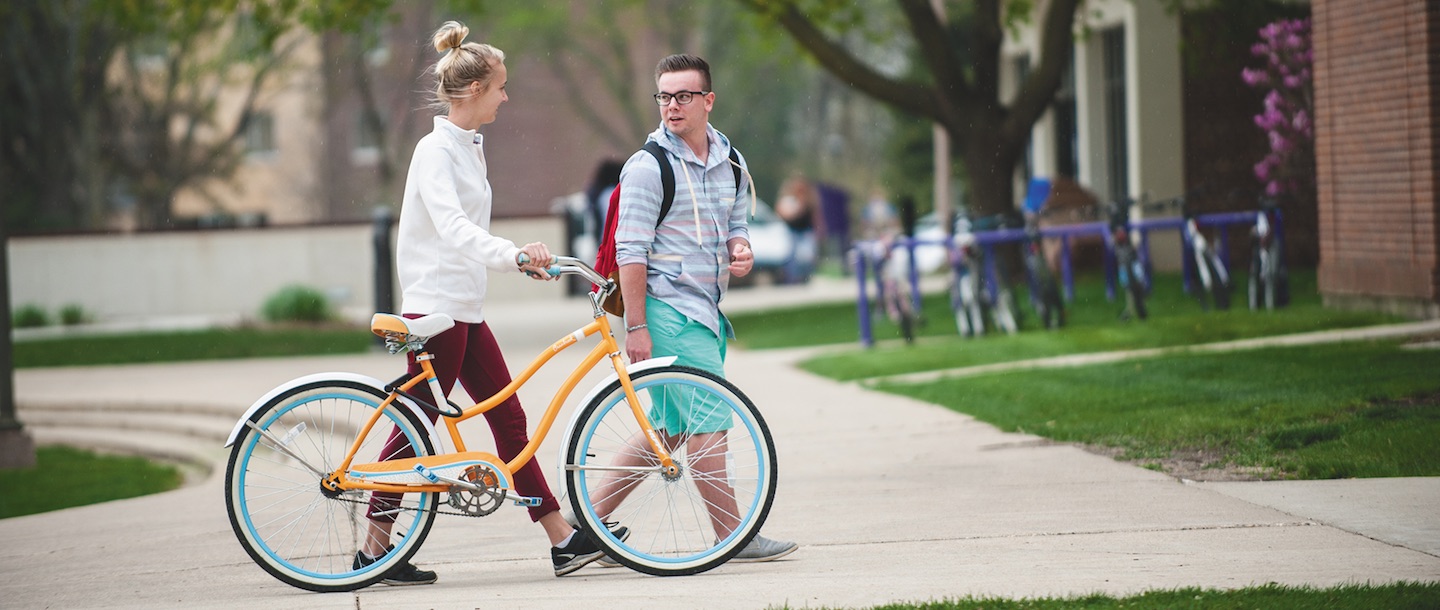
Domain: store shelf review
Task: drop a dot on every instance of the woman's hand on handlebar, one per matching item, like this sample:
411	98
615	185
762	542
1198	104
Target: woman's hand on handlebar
534	258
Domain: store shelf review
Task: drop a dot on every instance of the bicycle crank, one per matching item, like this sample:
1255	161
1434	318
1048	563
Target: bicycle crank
480	497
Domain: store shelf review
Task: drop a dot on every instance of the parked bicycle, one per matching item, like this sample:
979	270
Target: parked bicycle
1129	267
305	458
973	296
1209	268
1044	288
1269	282
889	259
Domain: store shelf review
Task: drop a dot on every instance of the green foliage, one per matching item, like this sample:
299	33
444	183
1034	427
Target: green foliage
297	304
29	316
73	314
191	345
64	477
74	66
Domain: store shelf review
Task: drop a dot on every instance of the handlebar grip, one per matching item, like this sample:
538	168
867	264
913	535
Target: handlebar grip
552	270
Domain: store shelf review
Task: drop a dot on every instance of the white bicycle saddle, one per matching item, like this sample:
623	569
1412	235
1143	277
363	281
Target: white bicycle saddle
423	327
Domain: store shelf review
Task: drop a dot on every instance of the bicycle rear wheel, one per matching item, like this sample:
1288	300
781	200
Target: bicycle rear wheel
298	531
1052	307
1135	290
1259	290
963	304
1006	313
906	314
690	521
1219	283
1049	307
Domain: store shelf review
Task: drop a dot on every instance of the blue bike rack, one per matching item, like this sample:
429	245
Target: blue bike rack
988	239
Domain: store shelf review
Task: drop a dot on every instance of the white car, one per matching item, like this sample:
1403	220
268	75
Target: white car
930	255
770	240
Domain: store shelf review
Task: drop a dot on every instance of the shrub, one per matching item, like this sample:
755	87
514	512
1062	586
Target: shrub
29	316
73	314
297	304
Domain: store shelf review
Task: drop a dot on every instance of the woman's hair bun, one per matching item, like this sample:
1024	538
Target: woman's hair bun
450	36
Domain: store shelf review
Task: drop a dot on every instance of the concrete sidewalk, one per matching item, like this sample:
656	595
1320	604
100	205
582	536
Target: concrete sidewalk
892	500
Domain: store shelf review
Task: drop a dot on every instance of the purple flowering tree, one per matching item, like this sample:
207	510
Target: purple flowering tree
1287	117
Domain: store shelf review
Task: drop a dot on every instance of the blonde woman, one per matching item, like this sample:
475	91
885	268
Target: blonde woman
444	252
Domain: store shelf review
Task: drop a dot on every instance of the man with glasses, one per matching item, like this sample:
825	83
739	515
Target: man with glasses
674	270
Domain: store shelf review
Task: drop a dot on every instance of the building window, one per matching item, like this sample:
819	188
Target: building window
260	134
366	150
1116	115
1022	72
1067	136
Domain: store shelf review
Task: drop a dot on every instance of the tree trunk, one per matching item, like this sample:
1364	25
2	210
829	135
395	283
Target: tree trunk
989	172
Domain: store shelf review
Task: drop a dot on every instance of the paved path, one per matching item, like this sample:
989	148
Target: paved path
892	500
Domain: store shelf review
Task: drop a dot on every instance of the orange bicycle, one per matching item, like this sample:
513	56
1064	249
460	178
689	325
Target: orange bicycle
305	458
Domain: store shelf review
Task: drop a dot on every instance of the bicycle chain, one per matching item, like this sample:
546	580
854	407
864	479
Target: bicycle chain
438	509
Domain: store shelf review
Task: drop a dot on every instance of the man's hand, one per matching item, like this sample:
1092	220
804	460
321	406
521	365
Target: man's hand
742	260
638	345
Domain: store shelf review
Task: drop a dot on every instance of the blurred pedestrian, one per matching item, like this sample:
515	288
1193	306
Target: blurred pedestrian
798	207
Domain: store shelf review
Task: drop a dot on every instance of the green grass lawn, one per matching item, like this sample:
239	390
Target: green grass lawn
192	345
1398	596
64	477
1360	409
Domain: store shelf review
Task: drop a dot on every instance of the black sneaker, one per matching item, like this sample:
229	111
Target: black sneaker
398	576
580	551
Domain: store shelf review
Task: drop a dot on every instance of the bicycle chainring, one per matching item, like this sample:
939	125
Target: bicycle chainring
477	503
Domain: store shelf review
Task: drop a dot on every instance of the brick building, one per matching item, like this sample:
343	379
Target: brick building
1377	108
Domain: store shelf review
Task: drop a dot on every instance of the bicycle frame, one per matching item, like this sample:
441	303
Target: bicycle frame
339	479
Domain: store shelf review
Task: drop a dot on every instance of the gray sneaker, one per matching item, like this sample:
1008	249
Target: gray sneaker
764	549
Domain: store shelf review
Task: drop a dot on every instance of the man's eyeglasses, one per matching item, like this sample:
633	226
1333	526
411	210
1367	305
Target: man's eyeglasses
682	97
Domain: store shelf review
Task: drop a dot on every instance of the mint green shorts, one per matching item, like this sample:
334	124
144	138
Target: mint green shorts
676	409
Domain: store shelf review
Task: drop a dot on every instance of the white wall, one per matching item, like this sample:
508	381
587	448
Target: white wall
203	277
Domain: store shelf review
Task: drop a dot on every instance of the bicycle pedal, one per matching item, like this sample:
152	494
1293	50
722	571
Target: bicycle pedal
525	501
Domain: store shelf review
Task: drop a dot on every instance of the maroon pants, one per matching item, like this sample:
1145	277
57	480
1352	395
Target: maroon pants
468	352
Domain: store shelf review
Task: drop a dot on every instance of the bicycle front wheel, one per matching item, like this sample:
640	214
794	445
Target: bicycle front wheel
1006	313
1135	291
1219	283
682	522
1257	288
299	531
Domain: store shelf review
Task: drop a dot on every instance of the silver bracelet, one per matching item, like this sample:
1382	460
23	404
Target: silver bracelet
631	329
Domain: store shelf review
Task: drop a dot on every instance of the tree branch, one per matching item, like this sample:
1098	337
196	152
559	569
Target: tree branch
935	46
1038	90
909	97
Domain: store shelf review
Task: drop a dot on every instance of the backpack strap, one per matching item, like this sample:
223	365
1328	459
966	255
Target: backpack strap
735	168
667	179
667	176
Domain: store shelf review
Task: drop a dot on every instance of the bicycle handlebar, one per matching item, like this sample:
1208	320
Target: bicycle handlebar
570	264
